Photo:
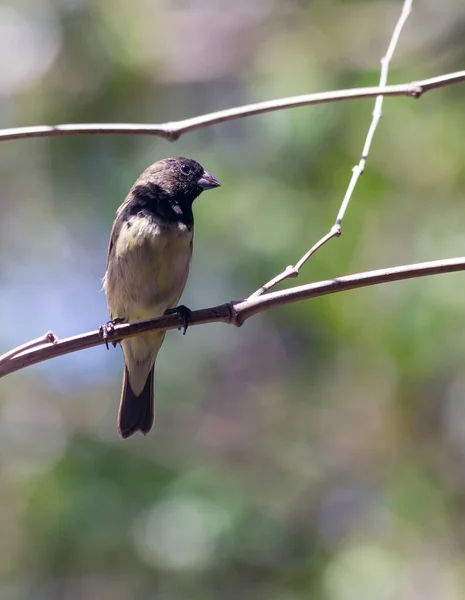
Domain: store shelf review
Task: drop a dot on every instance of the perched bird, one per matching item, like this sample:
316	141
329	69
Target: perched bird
148	263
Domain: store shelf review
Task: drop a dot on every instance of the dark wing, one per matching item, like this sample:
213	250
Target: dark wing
115	231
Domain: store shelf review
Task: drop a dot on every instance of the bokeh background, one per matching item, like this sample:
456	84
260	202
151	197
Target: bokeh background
318	451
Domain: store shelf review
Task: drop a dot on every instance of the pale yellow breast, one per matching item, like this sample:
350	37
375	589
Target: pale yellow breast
149	268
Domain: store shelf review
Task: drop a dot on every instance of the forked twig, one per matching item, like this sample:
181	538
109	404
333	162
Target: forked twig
357	171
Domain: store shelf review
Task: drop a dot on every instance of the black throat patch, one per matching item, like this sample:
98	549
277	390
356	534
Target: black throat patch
151	198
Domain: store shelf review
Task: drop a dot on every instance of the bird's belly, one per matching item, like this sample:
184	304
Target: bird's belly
151	265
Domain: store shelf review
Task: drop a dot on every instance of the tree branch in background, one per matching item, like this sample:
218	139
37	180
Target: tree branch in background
357	171
235	313
172	131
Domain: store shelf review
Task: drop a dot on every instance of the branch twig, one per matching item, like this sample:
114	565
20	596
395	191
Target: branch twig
43	340
172	131
357	170
235	313
293	271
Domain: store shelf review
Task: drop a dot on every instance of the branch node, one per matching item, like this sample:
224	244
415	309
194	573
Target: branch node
171	133
336	230
51	338
234	316
415	91
291	271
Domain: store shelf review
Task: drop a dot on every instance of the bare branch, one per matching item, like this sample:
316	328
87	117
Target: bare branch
172	131
357	171
44	340
235	313
293	271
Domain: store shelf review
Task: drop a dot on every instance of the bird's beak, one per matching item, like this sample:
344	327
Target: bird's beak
208	181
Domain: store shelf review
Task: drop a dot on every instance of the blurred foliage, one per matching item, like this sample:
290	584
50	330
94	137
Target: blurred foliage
319	451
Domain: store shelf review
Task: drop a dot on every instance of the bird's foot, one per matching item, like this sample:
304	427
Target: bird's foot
108	328
183	313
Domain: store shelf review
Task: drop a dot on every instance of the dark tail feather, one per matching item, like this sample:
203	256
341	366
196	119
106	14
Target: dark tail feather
136	413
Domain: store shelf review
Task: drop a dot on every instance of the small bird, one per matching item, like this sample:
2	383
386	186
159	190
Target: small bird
147	267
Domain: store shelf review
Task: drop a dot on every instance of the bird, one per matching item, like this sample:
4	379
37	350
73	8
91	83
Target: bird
149	255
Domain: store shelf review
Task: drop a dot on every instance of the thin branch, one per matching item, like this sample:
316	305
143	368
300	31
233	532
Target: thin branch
44	340
293	271
172	131
235	313
358	170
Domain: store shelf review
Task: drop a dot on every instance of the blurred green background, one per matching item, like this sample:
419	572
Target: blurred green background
318	451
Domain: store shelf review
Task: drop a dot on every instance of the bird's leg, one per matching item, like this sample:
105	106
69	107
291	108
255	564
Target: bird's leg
183	313
108	328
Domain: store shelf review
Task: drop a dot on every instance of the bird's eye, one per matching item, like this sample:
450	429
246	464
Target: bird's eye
185	169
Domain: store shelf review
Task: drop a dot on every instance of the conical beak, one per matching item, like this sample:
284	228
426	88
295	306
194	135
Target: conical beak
208	181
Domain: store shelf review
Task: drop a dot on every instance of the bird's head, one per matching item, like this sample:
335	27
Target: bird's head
170	186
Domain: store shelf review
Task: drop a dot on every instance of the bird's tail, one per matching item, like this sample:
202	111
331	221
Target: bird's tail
136	413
